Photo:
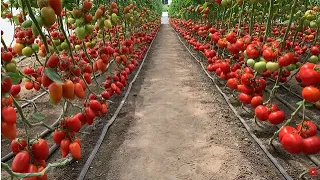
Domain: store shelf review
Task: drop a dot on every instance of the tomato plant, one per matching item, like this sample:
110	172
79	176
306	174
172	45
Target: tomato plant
72	46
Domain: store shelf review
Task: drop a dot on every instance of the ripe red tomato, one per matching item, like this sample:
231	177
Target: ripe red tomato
261	112
313	172
269	54
308	129
18	145
74	123
315	50
245	98
311	145
58	135
292	142
311	94
9	115
64	147
253	51
308	75
75	150
31	169
247	78
276	117
20	162
285	130
40	149
95	105
45	175
9	130
232	83
256	101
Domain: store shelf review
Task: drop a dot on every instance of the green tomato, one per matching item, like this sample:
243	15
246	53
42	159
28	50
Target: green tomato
108	24
11	67
27	51
27	23
71	20
56	42
313	59
35	47
59	48
313	24
77	47
89	29
79	22
251	62
64	46
291	67
80	32
272	66
260	66
114	18
306	22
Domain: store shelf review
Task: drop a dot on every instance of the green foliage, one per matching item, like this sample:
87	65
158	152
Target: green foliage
165	8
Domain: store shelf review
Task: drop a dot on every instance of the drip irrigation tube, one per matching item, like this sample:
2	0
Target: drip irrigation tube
258	141
113	118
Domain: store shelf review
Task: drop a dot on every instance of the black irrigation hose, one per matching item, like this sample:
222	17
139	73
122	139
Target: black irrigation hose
258	141
113	118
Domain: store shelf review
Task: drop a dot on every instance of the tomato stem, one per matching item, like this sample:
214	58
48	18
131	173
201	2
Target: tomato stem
268	21
293	7
6	167
288	121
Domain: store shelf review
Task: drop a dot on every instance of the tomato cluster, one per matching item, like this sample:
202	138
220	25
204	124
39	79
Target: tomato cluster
72	45
246	47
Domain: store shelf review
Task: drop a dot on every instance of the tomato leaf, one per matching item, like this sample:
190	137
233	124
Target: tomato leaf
53	75
15	77
299	103
38	116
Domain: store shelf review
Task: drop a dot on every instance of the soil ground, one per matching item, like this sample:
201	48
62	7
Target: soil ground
175	125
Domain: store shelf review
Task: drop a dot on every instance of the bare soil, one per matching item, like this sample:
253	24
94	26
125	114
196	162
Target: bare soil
175	125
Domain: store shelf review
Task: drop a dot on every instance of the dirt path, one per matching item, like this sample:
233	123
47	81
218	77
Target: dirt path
175	125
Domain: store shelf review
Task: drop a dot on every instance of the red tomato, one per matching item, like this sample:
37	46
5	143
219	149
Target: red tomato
276	117
9	115
252	51
18	145
292	142
261	112
232	83
74	123
245	98
58	135
269	54
40	149
246	79
64	147
75	150
31	169
20	162
95	105
285	130
313	172
311	145
45	175
311	94
315	50
308	129
256	101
